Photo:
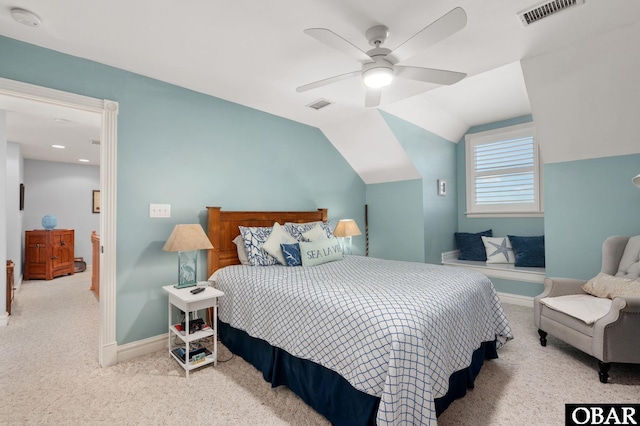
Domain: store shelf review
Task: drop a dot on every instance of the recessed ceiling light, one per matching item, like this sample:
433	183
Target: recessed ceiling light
83	160
25	17
58	146
61	120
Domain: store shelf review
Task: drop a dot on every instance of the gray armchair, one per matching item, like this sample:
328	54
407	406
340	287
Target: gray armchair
614	337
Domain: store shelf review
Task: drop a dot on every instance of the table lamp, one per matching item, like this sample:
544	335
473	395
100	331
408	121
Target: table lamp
186	240
346	228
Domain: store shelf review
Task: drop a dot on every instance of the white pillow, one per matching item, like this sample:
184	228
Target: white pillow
316	253
498	250
604	285
272	244
317	233
242	250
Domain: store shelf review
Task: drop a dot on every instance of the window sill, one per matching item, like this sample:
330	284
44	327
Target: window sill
496	270
498	214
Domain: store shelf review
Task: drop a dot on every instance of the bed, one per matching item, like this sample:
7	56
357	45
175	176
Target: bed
361	340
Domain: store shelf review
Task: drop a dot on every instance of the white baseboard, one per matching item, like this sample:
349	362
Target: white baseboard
515	299
142	347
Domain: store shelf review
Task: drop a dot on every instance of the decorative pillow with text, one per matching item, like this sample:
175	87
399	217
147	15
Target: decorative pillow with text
316	253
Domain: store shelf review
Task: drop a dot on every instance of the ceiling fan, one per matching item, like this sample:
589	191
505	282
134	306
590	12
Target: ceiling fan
380	65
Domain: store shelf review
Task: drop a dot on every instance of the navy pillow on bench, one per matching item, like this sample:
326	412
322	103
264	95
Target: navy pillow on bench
471	246
529	251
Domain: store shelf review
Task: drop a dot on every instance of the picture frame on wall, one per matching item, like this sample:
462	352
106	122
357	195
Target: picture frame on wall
95	207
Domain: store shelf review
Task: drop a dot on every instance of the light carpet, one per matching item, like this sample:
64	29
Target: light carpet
49	374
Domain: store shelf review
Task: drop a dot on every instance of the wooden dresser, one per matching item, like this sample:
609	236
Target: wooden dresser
48	254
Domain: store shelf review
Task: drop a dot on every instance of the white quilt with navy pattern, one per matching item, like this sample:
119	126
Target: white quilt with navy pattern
396	330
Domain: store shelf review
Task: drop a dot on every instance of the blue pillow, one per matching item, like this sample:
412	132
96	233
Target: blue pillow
529	251
291	254
471	246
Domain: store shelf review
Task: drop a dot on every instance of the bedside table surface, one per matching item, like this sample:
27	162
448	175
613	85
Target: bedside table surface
185	300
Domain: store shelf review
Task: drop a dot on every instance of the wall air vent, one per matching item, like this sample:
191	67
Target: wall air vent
319	104
547	9
95	142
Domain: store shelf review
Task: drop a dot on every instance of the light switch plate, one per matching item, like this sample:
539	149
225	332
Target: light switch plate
159	210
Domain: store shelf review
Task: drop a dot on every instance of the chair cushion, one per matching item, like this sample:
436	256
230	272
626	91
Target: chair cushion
630	262
584	307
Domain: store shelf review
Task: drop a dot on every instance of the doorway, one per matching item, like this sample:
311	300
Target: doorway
108	110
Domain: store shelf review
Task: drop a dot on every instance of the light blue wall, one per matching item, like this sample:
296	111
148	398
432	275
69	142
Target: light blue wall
396	220
189	150
520	288
65	191
435	158
585	202
501	226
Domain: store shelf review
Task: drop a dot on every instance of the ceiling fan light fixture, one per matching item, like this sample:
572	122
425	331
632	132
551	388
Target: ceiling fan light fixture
378	76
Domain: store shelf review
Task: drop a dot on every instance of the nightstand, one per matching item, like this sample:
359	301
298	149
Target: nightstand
201	345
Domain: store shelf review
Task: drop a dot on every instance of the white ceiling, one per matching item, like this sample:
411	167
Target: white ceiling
37	126
255	53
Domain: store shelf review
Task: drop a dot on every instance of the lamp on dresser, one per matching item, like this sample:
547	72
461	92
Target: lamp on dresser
187	239
346	228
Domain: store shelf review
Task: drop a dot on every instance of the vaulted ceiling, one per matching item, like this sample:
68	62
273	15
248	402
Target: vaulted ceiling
255	53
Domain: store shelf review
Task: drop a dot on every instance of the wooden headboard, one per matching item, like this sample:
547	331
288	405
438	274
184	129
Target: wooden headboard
222	228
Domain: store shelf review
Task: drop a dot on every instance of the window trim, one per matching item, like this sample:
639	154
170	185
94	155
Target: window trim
503	210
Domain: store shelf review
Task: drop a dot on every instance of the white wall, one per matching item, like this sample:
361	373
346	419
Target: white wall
65	191
15	241
3	220
585	97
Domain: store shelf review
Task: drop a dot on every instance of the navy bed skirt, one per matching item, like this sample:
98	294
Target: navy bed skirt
325	390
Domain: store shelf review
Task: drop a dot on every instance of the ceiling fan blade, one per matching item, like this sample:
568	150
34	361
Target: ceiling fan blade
327	81
332	39
429	75
372	97
446	25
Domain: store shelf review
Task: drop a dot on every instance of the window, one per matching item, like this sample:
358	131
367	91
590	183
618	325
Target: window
503	173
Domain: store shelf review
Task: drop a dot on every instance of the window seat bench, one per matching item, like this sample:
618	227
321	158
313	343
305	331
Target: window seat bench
496	270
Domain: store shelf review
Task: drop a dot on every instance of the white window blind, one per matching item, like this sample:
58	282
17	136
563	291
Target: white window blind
503	172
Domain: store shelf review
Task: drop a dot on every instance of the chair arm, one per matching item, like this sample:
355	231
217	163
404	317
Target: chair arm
614	334
561	287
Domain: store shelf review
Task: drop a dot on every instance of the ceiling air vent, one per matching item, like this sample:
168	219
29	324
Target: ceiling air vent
547	9
319	104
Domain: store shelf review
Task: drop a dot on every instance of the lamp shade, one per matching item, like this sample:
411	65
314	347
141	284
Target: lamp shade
187	237
346	228
636	181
